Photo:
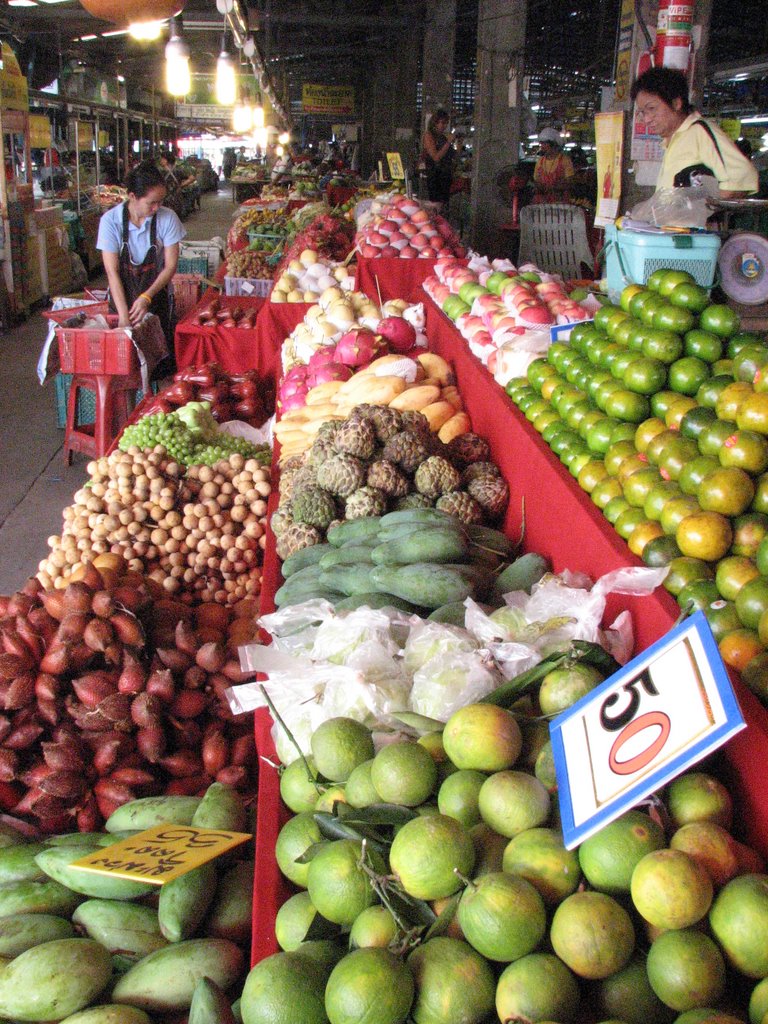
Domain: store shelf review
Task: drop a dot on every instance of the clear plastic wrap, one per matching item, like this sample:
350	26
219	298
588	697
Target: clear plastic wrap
451	681
429	640
678	207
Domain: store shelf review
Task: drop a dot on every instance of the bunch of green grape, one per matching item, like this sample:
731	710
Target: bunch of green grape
226	445
167	430
164	429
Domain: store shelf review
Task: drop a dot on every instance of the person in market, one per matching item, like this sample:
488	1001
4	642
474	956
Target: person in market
173	199
139	242
553	173
438	153
692	146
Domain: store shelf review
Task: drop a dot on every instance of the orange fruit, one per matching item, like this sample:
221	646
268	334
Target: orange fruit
593	934
427	853
609	857
670	889
337	885
705	535
537	987
686	970
732	573
739	922
697	796
738	648
502	916
453	982
482	737
642	535
539	856
369	984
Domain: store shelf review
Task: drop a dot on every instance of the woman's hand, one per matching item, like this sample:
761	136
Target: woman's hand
139	309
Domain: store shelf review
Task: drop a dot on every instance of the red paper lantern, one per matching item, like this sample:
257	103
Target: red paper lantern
128	12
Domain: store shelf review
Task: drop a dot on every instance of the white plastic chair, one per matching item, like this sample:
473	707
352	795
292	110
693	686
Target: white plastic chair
554	237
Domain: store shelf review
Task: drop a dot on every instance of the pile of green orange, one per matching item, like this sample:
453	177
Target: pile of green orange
433	886
667	430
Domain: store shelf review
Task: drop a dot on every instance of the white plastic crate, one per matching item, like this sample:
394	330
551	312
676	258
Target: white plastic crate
254	287
632	256
209	251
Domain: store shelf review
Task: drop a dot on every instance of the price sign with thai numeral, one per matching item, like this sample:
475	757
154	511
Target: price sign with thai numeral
662	713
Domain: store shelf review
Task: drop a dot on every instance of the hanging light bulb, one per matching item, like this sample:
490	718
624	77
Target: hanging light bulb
242	117
178	80
145	31
260	138
279	150
226	78
258	116
284	138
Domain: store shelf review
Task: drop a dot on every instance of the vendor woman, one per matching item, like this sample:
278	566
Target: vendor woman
139	242
692	146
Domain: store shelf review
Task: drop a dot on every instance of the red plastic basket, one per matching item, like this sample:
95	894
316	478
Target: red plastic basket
60	316
88	350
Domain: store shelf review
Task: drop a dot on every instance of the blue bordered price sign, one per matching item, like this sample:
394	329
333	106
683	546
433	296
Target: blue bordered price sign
662	713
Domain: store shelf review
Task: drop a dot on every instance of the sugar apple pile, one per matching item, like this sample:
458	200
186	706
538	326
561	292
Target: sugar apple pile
378	460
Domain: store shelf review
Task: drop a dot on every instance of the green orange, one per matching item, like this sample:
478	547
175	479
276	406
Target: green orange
593	934
670	889
733	573
685	570
706	535
727	490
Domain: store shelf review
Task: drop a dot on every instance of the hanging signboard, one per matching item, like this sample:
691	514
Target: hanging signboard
327	99
395	164
624	54
14	93
205	112
39	132
609	145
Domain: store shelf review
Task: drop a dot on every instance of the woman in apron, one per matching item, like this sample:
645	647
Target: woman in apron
139	242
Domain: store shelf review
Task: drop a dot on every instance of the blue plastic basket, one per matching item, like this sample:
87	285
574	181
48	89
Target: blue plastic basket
632	256
86	400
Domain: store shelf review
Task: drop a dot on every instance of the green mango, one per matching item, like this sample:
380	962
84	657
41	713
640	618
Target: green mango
54	980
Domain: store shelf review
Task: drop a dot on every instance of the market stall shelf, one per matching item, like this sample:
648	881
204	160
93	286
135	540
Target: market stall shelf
233	348
389	277
561	523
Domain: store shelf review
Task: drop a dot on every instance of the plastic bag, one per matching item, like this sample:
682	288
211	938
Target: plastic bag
678	207
429	640
338	637
449	682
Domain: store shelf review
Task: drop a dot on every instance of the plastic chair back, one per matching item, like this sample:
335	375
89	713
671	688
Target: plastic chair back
554	237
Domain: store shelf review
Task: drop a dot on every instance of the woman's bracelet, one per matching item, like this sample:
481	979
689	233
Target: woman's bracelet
147	297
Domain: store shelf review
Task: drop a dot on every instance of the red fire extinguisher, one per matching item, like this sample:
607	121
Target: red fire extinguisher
673	34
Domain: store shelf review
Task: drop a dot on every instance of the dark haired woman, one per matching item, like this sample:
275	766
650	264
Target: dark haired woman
438	152
139	242
692	146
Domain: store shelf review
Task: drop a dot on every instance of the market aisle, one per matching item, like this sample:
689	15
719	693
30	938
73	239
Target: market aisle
35	484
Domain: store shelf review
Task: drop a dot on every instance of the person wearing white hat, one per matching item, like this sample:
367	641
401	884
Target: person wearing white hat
554	169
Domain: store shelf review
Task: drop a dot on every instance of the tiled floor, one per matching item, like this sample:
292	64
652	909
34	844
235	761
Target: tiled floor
35	483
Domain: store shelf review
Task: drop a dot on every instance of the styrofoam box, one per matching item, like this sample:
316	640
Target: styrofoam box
255	287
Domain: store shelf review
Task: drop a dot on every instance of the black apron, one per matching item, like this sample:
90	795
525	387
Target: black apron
137	278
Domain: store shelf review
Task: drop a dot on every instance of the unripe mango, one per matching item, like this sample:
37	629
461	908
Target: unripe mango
54	980
23	931
56	860
165	981
129	928
109	1014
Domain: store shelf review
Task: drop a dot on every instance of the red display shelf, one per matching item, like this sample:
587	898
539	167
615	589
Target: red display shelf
390	277
561	523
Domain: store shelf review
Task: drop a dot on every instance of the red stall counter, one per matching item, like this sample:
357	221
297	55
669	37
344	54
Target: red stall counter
389	277
235	349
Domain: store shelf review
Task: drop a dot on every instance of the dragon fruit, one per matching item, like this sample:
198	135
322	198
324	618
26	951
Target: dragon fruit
328	371
398	333
357	347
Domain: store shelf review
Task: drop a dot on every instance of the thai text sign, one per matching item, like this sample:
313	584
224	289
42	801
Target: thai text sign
161	853
327	99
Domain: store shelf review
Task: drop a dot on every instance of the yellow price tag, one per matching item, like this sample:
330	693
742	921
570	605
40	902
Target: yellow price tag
395	166
161	853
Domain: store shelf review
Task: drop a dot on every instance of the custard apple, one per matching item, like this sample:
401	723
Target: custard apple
314	507
322	449
355	437
281	519
468	448
388	478
478	469
341	475
295	537
414	420
366	501
492	493
408	449
386	422
414	500
461	505
436	476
